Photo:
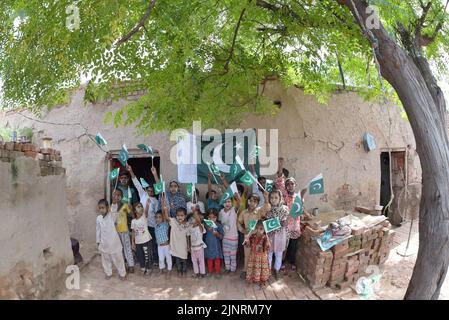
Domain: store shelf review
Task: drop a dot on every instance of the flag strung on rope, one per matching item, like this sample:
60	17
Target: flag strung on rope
123	155
316	185
146	148
272	225
269	185
114	174
144	183
100	140
210	223
190	189
216	154
229	193
297	208
248	179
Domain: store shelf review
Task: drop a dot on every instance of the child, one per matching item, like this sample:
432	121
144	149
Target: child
228	216
197	246
253	212
278	238
141	238
178	236
258	270
108	241
212	196
163	243
214	252
122	226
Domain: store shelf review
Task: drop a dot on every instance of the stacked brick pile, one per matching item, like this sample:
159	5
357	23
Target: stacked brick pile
50	160
342	265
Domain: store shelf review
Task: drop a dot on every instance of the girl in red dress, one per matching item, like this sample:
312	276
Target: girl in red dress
258	270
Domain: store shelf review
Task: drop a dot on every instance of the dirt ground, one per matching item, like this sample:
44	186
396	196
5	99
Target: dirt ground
393	284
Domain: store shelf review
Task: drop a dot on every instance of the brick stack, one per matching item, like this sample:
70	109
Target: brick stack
50	160
342	265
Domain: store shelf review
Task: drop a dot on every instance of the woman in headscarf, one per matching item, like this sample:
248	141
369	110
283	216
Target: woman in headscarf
174	198
278	238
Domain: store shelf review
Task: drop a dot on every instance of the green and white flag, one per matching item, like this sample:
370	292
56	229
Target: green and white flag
255	152
146	148
316	185
123	155
269	184
272	224
144	183
210	223
248	179
159	187
229	193
196	154
100	140
252	225
190	189
297	209
114	174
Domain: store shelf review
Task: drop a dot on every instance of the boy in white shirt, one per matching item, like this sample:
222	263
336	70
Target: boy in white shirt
141	238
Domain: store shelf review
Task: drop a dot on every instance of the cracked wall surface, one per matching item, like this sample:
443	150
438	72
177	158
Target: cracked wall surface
313	139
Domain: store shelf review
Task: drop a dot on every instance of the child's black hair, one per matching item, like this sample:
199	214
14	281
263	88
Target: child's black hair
119	190
240	188
255	196
261	178
158	212
183	210
213	211
285	172
208	193
104	202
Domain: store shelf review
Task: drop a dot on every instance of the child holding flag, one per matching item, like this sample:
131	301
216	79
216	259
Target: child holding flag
258	270
228	216
123	210
197	246
163	243
212	195
141	238
214	235
108	241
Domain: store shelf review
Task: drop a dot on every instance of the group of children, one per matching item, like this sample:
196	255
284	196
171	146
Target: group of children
165	229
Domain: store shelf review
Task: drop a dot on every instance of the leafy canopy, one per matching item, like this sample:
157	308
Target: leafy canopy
198	59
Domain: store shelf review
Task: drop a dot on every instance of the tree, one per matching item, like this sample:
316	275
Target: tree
210	60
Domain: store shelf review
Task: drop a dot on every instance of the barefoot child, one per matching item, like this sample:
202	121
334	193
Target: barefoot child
163	244
228	216
121	225
214	252
258	270
178	236
108	241
141	238
197	245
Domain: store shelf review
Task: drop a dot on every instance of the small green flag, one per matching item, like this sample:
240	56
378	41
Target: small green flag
190	189
248	179
144	183
158	187
255	152
316	185
236	167
210	223
229	193
123	155
146	148
100	140
272	224
297	209
114	174
214	169
252	225
269	184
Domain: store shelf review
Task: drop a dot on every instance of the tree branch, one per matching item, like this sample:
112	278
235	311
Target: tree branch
236	31
422	19
139	25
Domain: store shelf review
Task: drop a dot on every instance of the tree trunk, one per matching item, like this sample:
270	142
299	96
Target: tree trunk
425	108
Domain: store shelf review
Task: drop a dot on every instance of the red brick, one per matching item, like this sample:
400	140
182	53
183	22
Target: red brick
31	154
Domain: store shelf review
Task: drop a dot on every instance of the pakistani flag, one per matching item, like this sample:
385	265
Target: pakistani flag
316	185
123	155
146	148
255	152
297	209
248	179
159	187
252	225
144	183
197	156
114	174
210	223
190	190
229	194
269	184
272	224
100	140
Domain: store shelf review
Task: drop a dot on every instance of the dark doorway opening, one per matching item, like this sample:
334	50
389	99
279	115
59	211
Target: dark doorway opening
385	186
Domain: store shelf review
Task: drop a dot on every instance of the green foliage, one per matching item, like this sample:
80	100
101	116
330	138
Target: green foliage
194	59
